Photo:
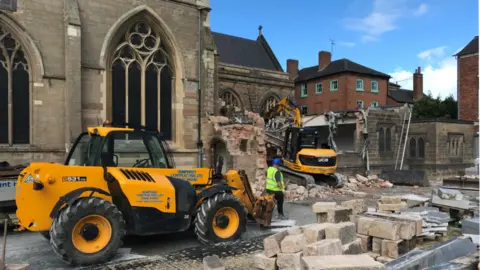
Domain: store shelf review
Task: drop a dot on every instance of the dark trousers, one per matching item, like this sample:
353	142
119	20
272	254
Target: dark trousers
279	199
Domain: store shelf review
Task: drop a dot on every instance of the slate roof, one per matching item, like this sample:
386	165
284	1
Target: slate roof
337	66
472	47
401	95
246	52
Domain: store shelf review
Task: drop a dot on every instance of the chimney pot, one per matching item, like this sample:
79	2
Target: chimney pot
324	58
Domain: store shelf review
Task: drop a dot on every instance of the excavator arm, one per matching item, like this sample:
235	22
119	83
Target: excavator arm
290	108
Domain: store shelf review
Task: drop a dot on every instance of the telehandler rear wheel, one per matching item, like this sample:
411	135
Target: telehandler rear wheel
90	231
220	218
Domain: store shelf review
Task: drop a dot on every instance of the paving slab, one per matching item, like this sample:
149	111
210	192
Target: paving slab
471	226
341	262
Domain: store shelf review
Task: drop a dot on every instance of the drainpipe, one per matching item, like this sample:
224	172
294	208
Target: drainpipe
199	89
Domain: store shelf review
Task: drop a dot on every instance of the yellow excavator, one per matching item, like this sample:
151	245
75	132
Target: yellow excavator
305	158
120	180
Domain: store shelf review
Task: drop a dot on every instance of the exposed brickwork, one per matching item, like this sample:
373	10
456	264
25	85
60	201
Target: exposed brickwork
345	97
468	87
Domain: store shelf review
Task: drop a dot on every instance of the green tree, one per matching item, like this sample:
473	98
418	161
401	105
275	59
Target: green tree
435	108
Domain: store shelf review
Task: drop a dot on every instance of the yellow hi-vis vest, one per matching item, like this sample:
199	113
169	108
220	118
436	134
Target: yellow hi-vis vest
271	182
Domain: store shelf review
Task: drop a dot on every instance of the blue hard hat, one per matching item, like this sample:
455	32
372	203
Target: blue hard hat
276	161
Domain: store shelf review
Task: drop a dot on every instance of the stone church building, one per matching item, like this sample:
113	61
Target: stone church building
69	64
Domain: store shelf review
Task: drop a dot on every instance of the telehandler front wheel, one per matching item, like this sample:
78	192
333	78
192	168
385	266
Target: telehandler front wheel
220	218
90	231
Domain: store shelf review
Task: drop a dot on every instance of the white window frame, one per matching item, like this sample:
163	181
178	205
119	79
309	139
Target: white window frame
371	86
331	85
316	88
375	104
303	87
356	85
363	103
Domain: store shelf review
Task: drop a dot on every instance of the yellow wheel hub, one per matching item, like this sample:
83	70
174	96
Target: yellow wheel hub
226	222
91	234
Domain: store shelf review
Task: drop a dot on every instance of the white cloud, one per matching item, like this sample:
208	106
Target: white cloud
346	44
383	18
431	54
422	9
439	73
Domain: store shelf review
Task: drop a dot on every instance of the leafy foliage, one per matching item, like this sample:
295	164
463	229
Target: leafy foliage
435	108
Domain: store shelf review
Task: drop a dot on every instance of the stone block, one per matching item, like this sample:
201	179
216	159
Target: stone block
316	232
377	245
417	219
272	244
293	243
322	217
392	206
324	247
390	199
341	262
344	231
366	242
265	263
394	249
295	230
322	207
289	261
352	248
212	263
381	228
338	214
353	218
358	206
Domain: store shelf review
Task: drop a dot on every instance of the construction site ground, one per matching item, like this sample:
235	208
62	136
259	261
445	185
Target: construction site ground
182	250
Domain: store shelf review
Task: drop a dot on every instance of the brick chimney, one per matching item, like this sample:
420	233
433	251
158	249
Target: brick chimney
292	67
417	84
324	58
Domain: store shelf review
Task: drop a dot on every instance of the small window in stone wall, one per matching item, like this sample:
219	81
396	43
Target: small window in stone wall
455	146
385	139
421	148
413	147
388	140
243	145
381	140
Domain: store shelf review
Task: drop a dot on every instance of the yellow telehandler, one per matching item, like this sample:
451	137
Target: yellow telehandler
118	180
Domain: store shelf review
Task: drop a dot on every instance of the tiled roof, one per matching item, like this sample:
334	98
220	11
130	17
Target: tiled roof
472	47
401	95
337	66
246	52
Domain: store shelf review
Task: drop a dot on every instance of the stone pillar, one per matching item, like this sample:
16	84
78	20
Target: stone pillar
73	72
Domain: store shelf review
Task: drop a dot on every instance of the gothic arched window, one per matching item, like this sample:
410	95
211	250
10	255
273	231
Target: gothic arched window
230	99
421	148
413	147
14	91
381	140
270	103
142	80
388	140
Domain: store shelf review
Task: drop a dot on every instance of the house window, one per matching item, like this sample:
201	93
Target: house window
303	109
360	102
333	85
375	86
413	147
421	148
374	104
318	88
14	91
381	140
303	90
359	85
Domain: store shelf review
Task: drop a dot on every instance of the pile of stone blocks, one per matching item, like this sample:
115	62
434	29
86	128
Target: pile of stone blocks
331	243
390	204
387	236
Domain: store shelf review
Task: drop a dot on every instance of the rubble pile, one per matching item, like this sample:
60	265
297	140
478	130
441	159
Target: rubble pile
331	243
359	181
244	137
434	222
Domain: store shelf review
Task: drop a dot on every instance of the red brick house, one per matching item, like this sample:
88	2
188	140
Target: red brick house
399	96
467	81
337	85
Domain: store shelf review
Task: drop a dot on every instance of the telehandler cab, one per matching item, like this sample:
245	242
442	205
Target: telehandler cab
120	180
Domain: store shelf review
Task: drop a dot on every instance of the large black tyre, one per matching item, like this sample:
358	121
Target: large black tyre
46	235
62	231
208	220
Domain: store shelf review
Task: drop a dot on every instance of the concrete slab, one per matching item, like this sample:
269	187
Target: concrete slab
341	262
471	226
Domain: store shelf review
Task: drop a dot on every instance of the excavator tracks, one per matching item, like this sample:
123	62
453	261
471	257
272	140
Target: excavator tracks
334	180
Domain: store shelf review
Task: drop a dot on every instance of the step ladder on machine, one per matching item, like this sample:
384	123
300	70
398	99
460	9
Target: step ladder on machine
403	139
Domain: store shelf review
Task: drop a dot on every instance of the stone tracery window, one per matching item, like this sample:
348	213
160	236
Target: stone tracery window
142	80
381	140
14	91
413	147
230	99
270	103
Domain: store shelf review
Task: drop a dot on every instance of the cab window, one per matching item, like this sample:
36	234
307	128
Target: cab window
85	151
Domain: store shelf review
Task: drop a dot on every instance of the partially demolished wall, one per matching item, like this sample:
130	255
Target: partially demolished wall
240	140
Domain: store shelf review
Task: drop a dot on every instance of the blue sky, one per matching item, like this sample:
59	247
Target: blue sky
391	36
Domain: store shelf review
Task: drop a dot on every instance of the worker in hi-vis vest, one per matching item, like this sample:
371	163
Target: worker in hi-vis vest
276	186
